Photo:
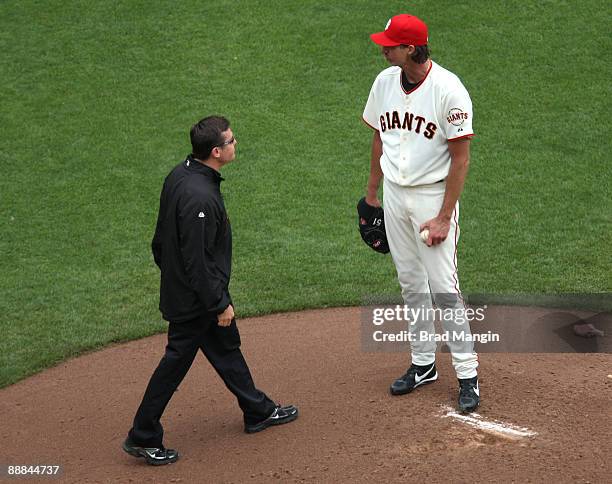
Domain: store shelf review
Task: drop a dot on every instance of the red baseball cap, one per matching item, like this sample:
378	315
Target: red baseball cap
402	29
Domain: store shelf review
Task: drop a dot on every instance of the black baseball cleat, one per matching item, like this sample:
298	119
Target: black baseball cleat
414	377
156	456
280	415
469	394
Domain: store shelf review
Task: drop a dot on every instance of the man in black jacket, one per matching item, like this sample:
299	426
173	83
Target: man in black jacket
193	248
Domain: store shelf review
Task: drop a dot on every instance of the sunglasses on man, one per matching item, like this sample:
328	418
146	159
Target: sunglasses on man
230	141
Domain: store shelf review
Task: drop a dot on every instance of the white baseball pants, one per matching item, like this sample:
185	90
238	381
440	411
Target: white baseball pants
427	272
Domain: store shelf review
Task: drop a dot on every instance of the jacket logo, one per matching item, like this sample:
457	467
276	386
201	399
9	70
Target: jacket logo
201	215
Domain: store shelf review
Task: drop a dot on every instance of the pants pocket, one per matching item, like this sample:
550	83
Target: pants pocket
228	336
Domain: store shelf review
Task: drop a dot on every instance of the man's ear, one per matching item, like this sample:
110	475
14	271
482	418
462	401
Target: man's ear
216	152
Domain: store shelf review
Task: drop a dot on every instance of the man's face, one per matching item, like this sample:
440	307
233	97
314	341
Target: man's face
228	148
396	56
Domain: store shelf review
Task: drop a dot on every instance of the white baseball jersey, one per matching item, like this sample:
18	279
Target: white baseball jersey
416	126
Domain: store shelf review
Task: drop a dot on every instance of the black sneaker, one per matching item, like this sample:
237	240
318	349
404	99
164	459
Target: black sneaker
156	456
280	415
414	377
469	394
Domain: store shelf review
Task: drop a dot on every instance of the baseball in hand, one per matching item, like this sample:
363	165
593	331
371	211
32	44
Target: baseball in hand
425	235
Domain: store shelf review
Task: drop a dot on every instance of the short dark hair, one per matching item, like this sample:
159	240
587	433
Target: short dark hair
421	54
206	134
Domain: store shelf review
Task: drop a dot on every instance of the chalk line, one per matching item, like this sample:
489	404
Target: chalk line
478	421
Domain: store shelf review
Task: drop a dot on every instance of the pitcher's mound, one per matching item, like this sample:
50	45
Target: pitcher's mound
350	428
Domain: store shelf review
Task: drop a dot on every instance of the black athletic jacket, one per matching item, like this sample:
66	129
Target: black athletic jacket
192	244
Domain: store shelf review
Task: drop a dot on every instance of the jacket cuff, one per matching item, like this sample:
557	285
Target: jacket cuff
224	304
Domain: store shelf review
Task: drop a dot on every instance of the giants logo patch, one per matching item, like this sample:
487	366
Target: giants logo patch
456	117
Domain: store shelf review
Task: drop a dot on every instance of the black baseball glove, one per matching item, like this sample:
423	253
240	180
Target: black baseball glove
372	226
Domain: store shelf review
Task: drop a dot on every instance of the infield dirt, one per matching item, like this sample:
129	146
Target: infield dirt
349	430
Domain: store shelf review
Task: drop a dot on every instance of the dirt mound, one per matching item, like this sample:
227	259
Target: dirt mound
350	429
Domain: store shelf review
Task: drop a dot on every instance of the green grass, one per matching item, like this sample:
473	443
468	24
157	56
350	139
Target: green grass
97	100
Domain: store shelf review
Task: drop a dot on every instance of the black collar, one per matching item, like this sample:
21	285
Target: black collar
407	85
193	164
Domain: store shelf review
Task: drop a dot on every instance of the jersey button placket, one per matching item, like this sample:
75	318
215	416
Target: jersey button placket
403	142
404	145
